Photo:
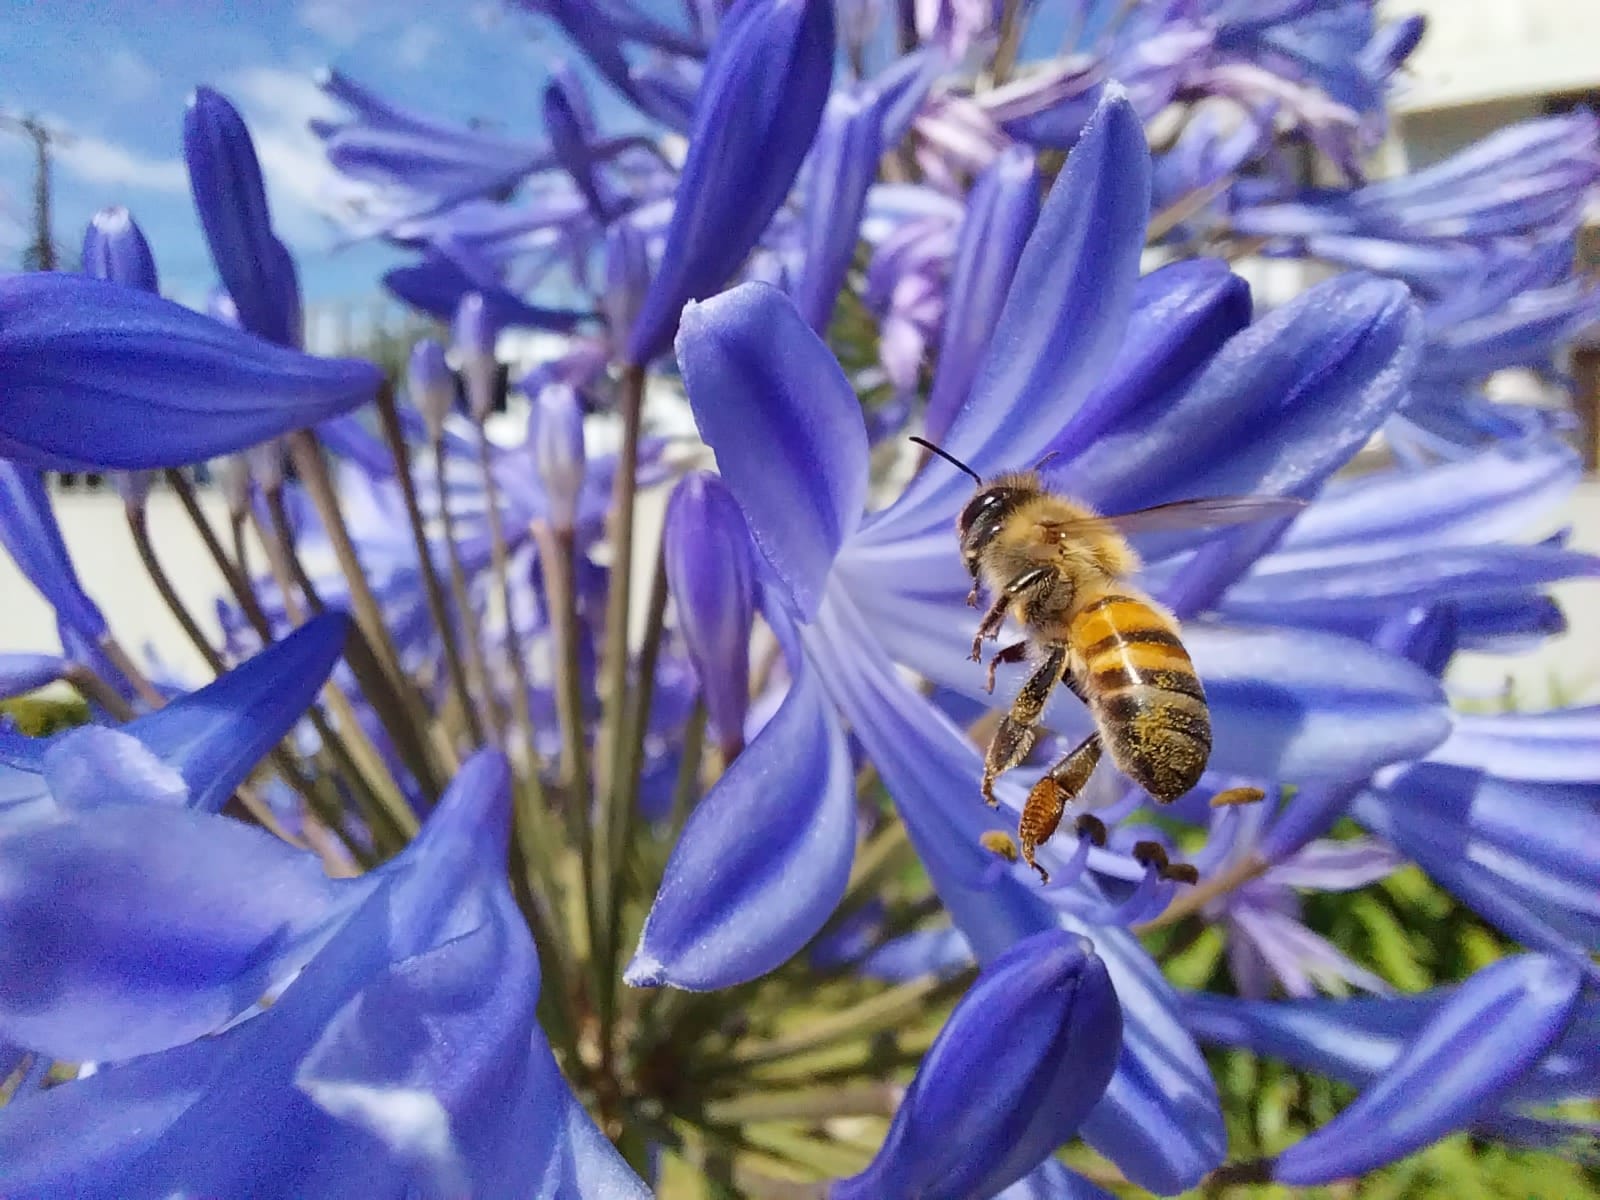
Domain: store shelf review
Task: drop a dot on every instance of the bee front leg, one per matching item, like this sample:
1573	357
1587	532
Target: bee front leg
1013	653
990	625
996	616
1019	730
1050	796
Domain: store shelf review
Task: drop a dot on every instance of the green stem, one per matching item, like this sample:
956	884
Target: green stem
806	1104
686	787
477	665
618	591
96	690
314	477
556	555
344	754
886	1010
431	587
501	560
1011	29
123	662
139	527
615	830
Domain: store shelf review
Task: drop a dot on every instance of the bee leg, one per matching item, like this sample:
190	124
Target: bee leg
1049	798
1014	653
990	625
1019	730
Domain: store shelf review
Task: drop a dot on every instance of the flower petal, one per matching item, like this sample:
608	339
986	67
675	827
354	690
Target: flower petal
1525	856
1560	746
1160	1120
1000	214
231	200
29	532
98	375
1295	704
765	856
21	673
138	927
1279	408
756	114
1489	1033
1487	497
1182	315
770	400
1052	1181
215	736
843	165
1065	312
1021	1060
711	577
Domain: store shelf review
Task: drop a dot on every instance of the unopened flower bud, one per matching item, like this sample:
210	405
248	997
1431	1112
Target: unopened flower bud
711	577
432	387
756	114
1026	1054
115	249
476	333
627	276
556	431
231	200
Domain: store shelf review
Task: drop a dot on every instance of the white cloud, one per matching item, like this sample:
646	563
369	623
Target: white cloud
128	76
95	160
342	22
302	188
416	45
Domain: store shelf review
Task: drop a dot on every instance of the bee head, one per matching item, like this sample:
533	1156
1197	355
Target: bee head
983	518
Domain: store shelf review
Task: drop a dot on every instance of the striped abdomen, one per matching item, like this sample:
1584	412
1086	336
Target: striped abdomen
1144	694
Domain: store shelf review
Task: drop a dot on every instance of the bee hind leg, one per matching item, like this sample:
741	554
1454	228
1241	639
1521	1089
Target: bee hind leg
1049	798
1019	730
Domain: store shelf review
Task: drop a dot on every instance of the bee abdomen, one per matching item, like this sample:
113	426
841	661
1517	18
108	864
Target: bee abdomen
1145	695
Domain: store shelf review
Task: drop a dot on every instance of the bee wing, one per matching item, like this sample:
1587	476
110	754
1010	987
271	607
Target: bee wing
1213	512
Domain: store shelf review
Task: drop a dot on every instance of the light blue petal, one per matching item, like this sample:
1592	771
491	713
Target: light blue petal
29	532
764	859
770	400
214	737
1064	317
1489	1033
1160	1120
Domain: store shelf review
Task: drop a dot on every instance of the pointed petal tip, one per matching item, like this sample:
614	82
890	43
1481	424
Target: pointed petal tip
645	971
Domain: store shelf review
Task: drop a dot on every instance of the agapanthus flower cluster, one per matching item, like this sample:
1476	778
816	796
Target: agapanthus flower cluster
510	853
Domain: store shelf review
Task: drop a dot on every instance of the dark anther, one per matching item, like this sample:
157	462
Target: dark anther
1182	873
1093	828
1151	854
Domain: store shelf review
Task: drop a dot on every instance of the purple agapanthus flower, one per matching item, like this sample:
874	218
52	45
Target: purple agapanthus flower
365	926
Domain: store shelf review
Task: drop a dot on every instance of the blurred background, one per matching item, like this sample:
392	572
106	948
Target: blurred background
92	94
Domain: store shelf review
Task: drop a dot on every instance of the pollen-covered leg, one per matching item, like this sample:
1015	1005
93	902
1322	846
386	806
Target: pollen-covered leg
1013	653
1050	796
1019	730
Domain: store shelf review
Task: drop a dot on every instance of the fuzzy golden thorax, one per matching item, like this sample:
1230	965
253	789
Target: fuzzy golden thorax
1013	525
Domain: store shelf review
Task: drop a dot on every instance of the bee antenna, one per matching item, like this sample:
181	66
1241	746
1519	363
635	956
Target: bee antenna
948	457
1039	466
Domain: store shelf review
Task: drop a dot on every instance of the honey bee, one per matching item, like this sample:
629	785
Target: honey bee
1061	570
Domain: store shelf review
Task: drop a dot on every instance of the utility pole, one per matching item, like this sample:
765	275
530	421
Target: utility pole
41	253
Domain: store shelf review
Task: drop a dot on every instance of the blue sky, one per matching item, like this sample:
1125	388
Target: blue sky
115	77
